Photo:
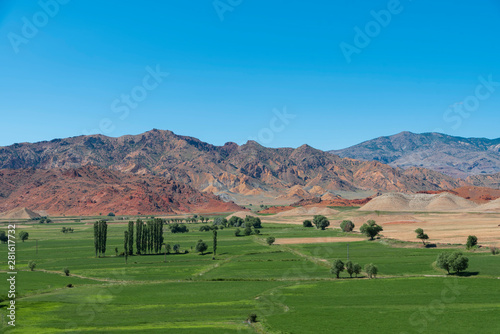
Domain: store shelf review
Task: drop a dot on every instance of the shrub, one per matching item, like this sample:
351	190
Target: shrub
347	226
237	232
32	265
252	317
307	223
270	240
69	285
111	214
494	250
66	271
177	248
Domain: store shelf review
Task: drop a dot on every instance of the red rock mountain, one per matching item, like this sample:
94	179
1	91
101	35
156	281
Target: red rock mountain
92	190
234	172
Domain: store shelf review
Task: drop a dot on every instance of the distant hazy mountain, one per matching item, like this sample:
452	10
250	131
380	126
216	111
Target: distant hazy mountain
454	156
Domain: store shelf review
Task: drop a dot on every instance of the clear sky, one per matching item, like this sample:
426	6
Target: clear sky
85	67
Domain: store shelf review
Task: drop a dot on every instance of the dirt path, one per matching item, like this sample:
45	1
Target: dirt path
294	241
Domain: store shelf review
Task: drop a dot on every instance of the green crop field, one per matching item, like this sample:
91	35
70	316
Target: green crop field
289	287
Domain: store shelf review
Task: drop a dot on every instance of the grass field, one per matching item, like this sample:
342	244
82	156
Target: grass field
289	287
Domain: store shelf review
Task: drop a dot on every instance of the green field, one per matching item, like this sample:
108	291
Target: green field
290	288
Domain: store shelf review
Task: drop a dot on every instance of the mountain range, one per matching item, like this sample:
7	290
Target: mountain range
151	168
454	156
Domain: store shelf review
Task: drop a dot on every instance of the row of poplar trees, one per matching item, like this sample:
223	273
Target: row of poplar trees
100	235
148	237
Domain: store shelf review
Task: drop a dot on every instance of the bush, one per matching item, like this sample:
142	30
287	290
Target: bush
494	250
111	214
32	265
237	232
69	285
307	223
66	271
270	240
3	237
252	317
347	226
177	248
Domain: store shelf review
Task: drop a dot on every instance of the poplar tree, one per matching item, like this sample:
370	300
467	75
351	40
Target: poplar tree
215	242
130	238
126	241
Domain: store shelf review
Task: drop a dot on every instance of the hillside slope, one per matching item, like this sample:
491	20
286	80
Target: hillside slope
93	190
454	156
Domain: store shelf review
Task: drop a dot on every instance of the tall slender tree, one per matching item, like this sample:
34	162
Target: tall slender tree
130	238
125	245
215	242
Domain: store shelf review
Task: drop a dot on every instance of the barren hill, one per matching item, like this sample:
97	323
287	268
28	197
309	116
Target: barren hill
19	213
231	171
92	190
454	156
418	202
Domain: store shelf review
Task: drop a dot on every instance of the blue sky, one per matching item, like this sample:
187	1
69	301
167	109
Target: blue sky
228	78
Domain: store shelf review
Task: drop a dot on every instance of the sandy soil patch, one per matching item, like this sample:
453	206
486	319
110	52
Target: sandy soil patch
292	241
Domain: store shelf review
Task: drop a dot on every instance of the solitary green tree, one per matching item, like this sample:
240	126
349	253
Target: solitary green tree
371	270
24	235
371	229
270	240
321	222
421	235
471	241
201	247
337	267
347	226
